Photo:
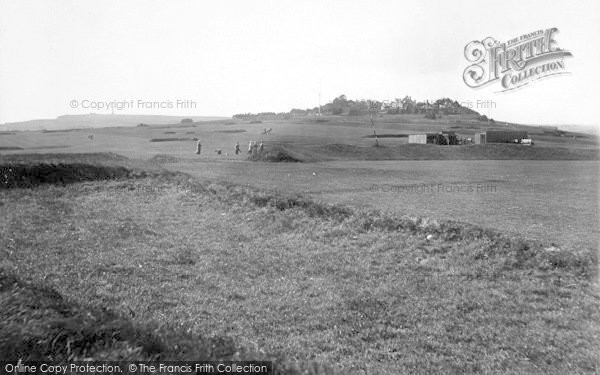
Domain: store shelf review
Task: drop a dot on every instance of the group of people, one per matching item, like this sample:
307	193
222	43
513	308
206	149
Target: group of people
253	148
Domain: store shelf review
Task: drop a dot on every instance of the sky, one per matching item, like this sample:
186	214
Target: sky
228	57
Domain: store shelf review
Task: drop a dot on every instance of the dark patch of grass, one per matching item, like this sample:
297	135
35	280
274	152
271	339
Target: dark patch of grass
100	158
338	147
163	159
231	131
277	154
311	208
10	148
48	147
170	139
31	175
387	136
61	130
30	170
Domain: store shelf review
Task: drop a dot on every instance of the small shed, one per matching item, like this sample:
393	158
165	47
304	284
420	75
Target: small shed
479	138
417	138
441	138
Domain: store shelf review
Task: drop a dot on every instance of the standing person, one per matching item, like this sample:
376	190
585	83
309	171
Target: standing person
237	148
261	147
198	147
250	148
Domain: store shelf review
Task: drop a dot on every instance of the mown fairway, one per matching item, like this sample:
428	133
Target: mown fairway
555	201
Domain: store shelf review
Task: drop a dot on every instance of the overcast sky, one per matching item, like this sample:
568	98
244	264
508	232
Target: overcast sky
250	56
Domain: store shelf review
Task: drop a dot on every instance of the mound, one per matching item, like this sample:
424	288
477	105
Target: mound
31	175
278	155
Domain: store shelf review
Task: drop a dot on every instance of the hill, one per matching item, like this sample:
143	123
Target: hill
93	120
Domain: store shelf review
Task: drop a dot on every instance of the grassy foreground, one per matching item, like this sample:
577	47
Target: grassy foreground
225	271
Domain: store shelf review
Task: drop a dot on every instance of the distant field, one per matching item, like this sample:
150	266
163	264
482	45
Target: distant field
301	131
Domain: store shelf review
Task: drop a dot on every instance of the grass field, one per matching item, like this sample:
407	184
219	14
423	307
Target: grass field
555	199
360	290
340	260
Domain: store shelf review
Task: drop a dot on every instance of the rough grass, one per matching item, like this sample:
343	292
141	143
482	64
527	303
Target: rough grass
277	276
10	148
41	324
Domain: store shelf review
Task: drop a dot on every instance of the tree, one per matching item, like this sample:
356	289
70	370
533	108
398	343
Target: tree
339	104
